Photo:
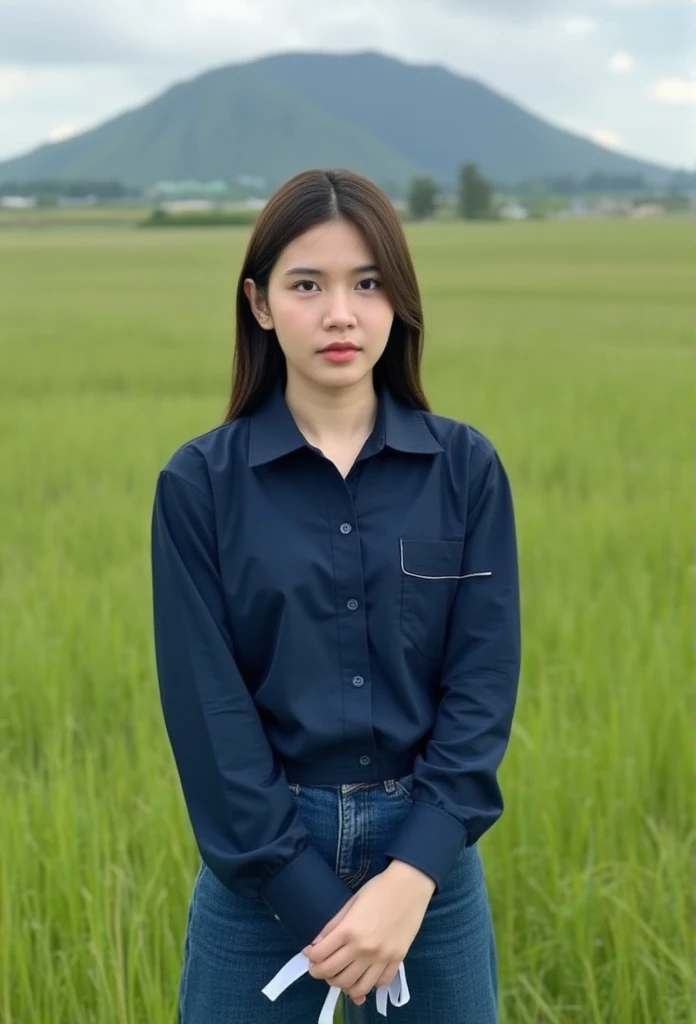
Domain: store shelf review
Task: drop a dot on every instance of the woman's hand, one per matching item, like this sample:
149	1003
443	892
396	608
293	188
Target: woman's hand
362	946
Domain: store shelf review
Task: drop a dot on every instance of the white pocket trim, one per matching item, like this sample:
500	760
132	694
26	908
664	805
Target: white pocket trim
419	577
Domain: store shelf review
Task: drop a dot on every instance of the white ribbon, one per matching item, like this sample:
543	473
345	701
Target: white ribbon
396	991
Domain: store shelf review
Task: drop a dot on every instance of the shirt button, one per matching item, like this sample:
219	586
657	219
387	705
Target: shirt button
365	759
352	604
346	527
358	680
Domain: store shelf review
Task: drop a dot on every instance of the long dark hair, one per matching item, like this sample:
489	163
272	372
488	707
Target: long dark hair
310	198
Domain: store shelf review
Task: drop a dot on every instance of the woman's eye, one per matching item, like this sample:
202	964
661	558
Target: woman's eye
300	286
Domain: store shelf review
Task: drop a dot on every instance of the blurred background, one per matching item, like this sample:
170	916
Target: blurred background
542	158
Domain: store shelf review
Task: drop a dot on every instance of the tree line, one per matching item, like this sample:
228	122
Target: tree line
474	195
51	188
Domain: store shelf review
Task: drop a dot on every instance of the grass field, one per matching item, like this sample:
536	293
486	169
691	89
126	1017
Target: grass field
571	346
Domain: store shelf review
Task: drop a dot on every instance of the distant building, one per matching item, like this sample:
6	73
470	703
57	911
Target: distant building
607	207
246	204
250	181
17	202
648	210
189	189
183	205
611	208
513	211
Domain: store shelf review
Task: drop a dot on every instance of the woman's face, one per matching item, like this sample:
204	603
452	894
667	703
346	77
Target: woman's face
324	289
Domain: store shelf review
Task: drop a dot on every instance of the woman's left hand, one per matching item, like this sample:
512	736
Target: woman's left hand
365	948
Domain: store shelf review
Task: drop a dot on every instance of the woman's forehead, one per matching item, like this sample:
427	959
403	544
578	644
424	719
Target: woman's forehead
335	246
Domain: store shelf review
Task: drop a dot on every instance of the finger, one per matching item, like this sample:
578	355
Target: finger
327	946
388	974
349	977
367	982
335	964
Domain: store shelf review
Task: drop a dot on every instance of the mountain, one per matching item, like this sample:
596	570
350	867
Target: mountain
277	115
222	124
437	119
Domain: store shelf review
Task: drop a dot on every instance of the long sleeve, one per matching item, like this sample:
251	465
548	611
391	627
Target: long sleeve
456	796
243	814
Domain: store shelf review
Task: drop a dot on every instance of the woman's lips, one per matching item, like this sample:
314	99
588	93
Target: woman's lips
339	355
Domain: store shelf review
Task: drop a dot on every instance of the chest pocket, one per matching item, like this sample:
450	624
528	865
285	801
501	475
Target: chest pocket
429	574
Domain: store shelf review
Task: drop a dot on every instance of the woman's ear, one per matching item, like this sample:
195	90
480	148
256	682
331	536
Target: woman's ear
259	306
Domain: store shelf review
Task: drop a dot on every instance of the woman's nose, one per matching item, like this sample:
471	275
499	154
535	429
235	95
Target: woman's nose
339	310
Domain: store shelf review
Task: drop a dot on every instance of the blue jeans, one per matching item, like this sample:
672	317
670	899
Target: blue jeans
234	945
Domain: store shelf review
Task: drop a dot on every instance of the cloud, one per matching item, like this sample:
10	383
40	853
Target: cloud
674	91
641	3
133	31
65	130
606	137
61	32
82	62
13	81
579	26
97	32
536	9
621	63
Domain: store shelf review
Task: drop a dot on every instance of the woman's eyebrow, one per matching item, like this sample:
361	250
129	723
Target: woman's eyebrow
315	272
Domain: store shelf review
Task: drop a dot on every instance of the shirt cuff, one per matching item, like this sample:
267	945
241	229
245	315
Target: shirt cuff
430	840
305	895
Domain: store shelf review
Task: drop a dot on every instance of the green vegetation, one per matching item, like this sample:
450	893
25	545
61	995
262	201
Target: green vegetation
422	195
570	345
200	218
43	217
473	201
475	195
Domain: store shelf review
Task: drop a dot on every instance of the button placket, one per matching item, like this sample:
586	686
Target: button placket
352	628
352	604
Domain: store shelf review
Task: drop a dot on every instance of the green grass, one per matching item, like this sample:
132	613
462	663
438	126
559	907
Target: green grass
42	217
570	345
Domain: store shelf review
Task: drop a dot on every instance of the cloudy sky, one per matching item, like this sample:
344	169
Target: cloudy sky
620	71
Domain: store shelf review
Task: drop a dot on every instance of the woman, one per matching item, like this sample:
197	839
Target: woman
337	635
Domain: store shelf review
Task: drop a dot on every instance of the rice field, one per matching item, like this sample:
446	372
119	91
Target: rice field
571	346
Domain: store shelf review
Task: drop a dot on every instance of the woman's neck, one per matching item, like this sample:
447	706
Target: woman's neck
331	417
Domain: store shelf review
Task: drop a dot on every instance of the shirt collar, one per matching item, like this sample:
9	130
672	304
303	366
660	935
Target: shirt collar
274	433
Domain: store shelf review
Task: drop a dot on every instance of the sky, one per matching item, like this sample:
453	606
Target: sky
618	71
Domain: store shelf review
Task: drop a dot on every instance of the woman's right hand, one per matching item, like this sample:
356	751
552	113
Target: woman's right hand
329	927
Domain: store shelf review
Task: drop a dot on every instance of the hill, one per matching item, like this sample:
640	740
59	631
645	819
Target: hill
437	119
222	124
274	116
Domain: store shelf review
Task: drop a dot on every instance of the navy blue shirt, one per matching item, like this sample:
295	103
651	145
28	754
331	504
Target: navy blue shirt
315	629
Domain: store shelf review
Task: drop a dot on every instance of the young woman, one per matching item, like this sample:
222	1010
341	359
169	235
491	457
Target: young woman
337	635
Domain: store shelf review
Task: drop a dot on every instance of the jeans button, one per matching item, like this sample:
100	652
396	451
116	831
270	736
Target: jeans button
346	528
358	680
352	604
364	759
